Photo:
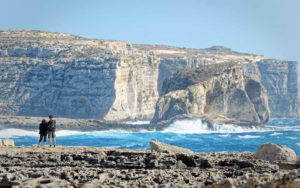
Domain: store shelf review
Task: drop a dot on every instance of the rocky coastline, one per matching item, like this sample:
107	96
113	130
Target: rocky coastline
164	166
31	123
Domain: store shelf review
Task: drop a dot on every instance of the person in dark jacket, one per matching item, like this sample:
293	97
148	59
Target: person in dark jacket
43	131
51	130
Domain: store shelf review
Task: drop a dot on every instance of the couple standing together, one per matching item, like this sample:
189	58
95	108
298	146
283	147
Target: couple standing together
47	128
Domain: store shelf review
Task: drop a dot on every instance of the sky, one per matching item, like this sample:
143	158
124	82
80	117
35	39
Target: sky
264	27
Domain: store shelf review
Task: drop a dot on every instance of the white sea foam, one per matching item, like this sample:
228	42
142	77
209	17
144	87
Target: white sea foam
285	128
298	144
248	136
187	126
224	135
196	126
10	133
275	134
293	138
137	122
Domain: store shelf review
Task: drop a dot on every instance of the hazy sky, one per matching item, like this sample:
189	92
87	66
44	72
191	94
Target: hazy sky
265	27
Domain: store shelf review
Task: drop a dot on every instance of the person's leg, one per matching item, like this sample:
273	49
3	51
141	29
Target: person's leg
54	141
45	137
49	136
41	137
53	138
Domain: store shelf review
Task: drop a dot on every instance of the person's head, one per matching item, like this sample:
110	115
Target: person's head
50	117
44	121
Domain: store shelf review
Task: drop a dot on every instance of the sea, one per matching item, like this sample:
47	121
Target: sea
189	133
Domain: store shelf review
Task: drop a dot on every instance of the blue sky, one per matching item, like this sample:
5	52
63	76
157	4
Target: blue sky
265	27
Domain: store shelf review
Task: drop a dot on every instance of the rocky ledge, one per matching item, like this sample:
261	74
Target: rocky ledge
107	167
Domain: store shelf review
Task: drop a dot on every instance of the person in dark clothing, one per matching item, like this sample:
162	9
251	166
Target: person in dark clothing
51	130
43	131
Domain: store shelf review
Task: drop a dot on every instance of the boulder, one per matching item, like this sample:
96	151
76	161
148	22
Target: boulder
6	143
162	147
275	152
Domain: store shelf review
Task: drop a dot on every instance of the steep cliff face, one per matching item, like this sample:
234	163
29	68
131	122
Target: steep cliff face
173	59
278	77
69	76
218	93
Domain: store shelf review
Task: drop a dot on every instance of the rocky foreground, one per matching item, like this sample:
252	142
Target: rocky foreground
164	166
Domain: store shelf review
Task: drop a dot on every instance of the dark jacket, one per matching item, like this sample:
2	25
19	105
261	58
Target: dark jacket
43	128
51	125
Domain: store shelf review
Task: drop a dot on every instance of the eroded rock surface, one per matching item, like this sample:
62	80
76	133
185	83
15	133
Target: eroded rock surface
91	166
218	93
276	152
278	77
163	147
46	73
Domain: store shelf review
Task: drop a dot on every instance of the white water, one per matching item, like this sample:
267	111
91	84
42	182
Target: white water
293	138
137	122
196	126
9	133
191	126
275	134
248	136
192	134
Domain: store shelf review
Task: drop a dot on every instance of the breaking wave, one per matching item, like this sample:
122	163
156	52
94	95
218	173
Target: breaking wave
196	126
186	126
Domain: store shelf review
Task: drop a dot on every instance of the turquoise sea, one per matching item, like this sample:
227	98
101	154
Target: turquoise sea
192	134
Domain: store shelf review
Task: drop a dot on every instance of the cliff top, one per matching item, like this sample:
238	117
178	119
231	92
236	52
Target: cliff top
195	75
160	50
190	76
36	34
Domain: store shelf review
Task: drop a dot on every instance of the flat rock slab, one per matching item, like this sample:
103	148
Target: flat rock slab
162	147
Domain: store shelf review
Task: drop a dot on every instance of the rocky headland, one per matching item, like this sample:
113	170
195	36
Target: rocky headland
217	93
73	77
164	166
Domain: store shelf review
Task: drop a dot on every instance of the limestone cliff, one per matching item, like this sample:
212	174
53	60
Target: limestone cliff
278	77
218	93
69	76
50	73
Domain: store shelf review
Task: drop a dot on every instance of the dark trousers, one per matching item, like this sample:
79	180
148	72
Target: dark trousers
41	137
